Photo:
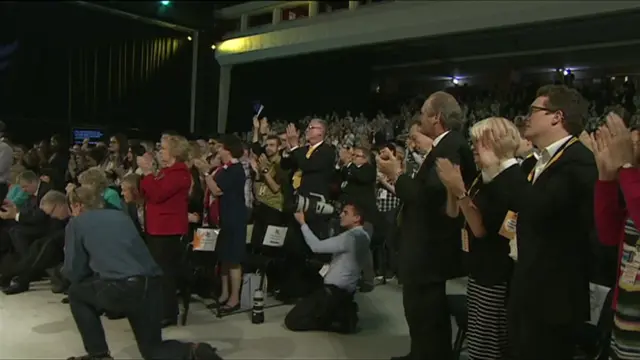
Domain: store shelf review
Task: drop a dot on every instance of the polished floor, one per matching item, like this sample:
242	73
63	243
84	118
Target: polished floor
35	325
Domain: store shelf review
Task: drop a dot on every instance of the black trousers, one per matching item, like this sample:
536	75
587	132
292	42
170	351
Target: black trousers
531	338
427	314
42	254
321	310
167	251
138	299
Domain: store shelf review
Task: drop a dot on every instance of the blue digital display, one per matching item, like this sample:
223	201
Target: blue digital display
94	135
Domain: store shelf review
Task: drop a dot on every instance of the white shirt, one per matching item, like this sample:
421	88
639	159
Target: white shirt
504	165
440	137
546	155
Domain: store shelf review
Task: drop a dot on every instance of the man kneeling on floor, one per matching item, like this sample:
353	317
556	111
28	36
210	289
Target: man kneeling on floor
332	307
110	269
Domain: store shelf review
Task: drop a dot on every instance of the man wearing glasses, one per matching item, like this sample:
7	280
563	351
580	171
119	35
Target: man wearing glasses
312	166
549	294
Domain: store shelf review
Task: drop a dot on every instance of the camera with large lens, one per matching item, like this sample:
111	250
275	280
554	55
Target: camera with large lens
314	203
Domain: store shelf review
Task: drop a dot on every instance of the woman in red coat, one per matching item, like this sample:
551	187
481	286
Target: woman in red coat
166	196
617	216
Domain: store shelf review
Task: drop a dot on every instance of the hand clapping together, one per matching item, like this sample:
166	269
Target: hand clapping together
613	148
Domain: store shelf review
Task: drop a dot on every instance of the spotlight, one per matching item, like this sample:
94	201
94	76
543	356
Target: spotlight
189	38
213	47
165	3
455	81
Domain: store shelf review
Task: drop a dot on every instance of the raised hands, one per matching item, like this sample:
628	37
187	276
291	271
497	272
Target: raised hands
612	147
487	146
293	136
450	176
388	165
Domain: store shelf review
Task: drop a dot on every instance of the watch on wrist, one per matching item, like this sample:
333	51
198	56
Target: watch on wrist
264	171
627	166
463	196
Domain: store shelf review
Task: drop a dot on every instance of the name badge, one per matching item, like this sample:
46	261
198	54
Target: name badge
465	240
263	190
325	269
630	275
384	194
508	228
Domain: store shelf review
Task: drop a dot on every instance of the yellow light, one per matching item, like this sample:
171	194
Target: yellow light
213	47
189	38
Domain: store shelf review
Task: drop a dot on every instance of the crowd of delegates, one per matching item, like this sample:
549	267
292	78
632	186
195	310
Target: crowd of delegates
429	207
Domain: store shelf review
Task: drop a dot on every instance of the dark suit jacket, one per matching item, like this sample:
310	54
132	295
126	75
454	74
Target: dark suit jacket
551	277
30	213
317	170
431	249
359	188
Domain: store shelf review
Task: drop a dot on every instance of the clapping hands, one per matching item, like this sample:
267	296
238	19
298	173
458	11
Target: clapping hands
613	147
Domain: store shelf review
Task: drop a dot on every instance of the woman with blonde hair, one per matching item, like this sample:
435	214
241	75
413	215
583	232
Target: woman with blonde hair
96	179
134	203
166	197
489	207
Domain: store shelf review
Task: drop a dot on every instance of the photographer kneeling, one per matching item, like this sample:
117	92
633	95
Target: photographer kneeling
332	307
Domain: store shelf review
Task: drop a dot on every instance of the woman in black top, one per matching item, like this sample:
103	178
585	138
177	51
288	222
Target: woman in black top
489	207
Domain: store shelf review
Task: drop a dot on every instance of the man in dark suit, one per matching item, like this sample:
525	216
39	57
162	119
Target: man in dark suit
358	181
312	167
550	287
30	220
431	241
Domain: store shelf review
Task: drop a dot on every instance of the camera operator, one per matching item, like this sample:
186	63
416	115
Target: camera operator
111	269
313	169
332	307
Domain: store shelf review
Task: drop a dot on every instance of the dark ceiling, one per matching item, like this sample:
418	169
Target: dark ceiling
69	17
552	44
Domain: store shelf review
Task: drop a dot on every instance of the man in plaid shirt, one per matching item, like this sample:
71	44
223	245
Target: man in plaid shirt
388	203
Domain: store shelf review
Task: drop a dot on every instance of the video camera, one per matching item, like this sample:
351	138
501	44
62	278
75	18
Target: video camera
315	203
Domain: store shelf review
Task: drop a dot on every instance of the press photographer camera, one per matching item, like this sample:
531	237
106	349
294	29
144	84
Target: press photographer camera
314	203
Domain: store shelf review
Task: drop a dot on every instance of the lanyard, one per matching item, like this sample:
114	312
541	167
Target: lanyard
472	193
555	158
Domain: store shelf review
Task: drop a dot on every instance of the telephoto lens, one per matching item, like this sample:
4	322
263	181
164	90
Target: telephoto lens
257	313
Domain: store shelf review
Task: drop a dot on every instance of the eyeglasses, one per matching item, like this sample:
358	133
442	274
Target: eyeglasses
311	127
534	109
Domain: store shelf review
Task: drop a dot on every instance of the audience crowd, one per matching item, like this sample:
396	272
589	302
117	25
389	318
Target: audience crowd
412	200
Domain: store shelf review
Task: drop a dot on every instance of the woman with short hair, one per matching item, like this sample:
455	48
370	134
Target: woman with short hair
227	185
489	207
166	197
96	179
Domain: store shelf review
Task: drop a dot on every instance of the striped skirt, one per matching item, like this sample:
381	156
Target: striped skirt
625	338
487	336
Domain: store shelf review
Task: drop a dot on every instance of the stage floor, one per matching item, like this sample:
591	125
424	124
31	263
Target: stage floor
35	325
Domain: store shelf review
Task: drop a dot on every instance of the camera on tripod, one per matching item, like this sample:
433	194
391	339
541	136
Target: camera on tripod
315	203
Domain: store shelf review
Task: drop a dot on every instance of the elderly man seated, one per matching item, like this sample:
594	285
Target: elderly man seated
17	271
332	307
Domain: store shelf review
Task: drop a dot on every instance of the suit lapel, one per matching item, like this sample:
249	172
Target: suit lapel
554	166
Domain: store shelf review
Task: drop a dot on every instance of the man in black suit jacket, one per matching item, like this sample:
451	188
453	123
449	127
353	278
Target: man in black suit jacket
358	182
312	167
549	296
30	220
431	251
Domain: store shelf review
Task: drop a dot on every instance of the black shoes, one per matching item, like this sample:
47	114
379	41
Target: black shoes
91	357
15	288
204	351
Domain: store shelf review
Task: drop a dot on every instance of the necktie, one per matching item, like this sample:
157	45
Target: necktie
297	176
